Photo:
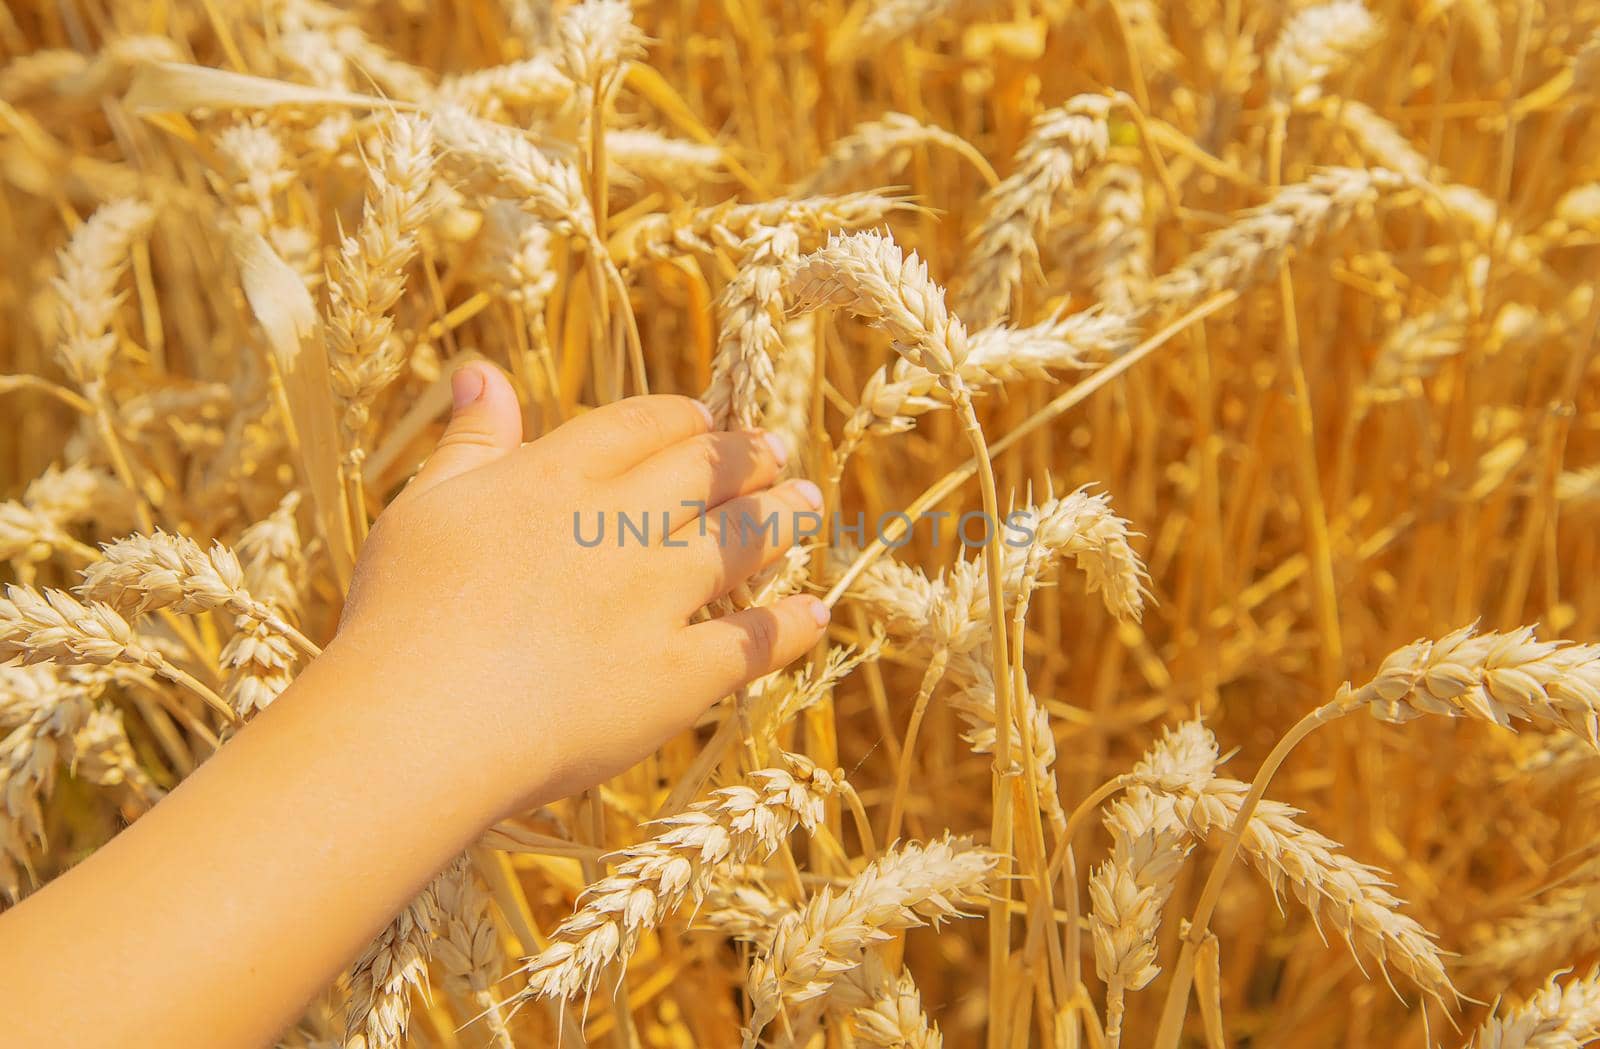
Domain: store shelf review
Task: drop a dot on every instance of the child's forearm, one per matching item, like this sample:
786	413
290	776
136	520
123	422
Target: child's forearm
485	661
217	916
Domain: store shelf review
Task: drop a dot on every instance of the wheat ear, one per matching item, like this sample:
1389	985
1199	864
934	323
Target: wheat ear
91	266
1354	897
142	574
885	1009
1497	677
1149	842
867	274
1316	44
103	755
634	153
53	626
1259	240
468	945
45	708
736	824
1559	1016
893	398
1060	146
1108	248
910	886
887	143
1494	677
750	342
1560	925
381	982
537	83
1127	894
367	276
727	226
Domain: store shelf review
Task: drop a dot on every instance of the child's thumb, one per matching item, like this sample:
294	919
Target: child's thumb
485	423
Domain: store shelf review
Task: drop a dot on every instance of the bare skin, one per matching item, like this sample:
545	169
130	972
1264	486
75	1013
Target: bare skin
486	662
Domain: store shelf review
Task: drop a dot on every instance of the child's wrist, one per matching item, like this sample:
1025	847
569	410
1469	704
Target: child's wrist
426	714
399	718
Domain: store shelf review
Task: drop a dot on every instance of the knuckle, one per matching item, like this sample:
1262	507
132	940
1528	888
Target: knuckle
691	408
761	454
467	437
638	418
707	459
761	638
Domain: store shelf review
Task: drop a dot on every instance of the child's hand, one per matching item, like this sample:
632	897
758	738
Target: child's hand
548	664
486	660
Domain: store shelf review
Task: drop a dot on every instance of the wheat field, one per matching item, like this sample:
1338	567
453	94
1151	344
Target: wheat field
1276	320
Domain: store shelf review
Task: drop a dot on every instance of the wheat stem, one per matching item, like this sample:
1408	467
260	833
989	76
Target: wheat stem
1000	827
931	676
1170	1029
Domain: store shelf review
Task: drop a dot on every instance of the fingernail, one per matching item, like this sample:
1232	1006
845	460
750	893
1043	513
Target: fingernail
810	493
705	413
466	386
820	613
780	451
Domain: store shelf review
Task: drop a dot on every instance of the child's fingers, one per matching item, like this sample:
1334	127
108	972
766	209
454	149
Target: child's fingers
737	539
738	648
704	472
618	436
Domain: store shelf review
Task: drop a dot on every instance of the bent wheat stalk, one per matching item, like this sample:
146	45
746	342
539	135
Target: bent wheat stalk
867	274
1493	677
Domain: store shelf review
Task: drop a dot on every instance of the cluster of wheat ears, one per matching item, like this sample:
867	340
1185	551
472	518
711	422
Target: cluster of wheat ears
1277	319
